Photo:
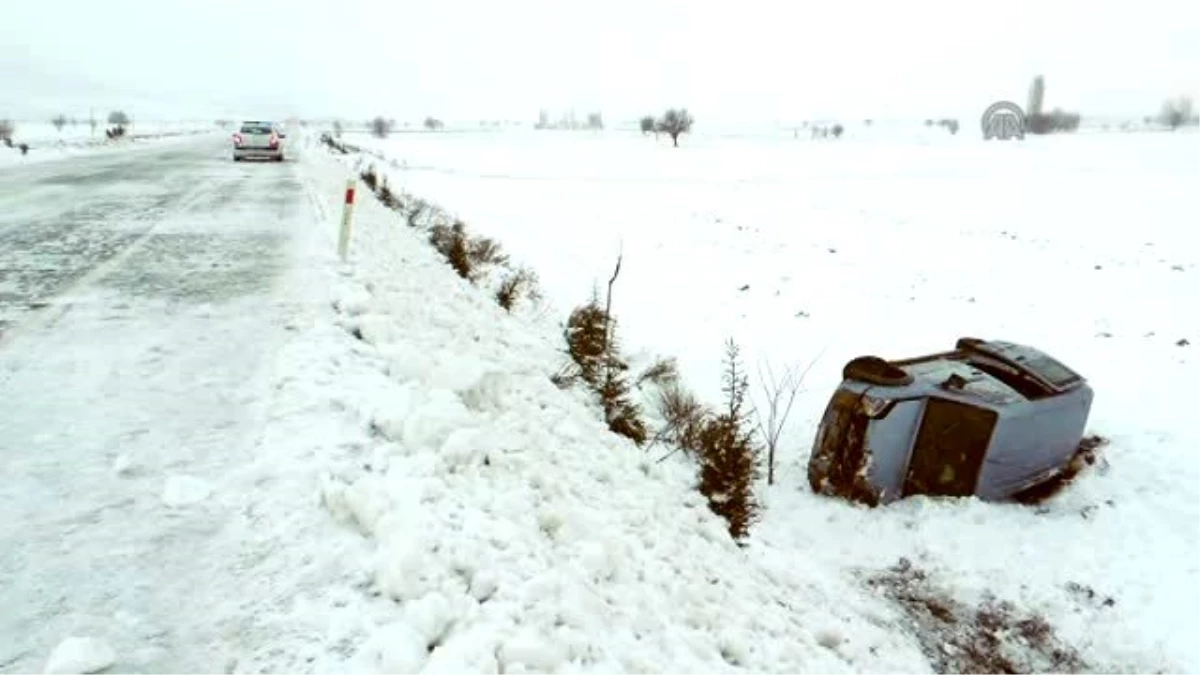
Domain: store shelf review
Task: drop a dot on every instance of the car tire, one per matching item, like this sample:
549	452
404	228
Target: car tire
874	370
968	344
236	158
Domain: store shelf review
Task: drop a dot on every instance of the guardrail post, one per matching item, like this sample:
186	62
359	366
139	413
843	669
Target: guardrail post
347	212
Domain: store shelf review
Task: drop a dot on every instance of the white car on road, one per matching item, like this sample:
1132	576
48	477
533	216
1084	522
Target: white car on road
258	140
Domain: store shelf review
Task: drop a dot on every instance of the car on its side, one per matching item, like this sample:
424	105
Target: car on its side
991	419
258	140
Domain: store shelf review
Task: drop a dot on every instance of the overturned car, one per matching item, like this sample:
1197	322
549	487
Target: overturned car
991	419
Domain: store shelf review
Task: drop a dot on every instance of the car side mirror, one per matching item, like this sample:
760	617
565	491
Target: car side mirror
283	135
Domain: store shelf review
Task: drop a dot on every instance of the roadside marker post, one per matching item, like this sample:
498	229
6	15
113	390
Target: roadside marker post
347	213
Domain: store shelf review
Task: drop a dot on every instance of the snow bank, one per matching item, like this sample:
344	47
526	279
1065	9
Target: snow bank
514	532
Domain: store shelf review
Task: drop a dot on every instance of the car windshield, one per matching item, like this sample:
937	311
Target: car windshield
256	128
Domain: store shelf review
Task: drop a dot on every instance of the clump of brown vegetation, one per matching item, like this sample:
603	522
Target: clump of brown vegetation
415	211
728	453
993	637
369	177
471	257
722	443
468	256
596	361
519	283
386	196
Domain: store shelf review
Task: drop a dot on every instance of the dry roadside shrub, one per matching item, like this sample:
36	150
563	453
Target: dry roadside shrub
662	373
520	283
484	252
451	242
728	455
369	178
417	208
684	418
596	357
386	196
470	257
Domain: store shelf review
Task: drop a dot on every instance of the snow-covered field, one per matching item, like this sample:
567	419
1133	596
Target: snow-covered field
46	142
1082	245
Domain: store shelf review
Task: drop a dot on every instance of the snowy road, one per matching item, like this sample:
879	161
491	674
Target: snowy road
143	297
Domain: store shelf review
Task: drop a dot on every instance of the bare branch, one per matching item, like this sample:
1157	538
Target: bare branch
779	395
613	280
608	373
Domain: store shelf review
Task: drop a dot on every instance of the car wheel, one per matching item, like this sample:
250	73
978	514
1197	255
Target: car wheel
968	343
874	370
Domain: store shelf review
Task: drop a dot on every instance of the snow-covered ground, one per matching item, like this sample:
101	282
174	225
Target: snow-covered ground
364	467
224	452
514	533
893	245
46	142
159	496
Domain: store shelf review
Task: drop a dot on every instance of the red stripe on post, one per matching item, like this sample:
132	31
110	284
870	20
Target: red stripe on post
349	195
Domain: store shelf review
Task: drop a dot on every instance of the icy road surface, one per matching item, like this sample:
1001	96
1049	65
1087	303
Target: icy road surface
143	295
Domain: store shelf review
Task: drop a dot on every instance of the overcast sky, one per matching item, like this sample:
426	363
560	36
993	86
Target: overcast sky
751	60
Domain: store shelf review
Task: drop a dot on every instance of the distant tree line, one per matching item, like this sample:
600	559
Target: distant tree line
947	123
593	121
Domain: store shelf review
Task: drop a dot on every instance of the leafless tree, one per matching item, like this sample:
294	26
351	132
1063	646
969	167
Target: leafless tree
1176	111
6	131
647	124
381	127
771	414
675	122
59	122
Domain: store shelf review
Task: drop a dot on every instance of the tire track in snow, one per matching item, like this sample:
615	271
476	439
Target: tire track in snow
138	508
47	312
48	256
